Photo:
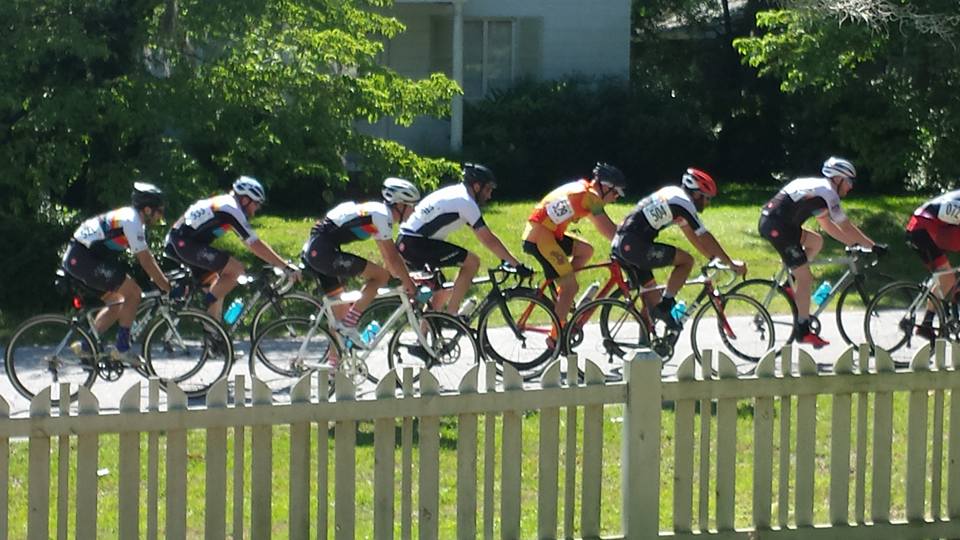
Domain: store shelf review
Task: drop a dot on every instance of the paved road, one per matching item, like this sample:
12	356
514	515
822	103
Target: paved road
110	393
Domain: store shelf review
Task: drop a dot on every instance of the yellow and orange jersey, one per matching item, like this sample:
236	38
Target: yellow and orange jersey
565	205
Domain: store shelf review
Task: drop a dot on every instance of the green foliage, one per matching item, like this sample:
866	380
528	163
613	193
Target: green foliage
886	92
190	94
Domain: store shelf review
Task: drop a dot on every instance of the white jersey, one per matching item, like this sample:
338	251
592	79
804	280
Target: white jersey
116	230
659	210
208	219
805	197
352	221
442	212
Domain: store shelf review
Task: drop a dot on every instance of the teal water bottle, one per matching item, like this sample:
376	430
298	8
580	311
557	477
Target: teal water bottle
821	294
370	331
233	311
679	310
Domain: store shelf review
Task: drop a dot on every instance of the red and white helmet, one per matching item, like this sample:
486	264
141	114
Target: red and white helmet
697	180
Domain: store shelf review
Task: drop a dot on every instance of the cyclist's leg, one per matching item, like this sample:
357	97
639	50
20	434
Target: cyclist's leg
643	256
934	259
554	257
418	251
468	269
106	276
226	281
199	255
581	251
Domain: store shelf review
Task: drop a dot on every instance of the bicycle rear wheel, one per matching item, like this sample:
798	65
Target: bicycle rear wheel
778	303
447	350
40	355
292	304
188	348
894	316
519	331
607	327
740	324
289	348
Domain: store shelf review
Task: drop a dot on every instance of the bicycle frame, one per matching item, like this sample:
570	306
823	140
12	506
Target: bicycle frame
854	269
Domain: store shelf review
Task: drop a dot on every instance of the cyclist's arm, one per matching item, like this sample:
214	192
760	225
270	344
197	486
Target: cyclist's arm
491	242
149	265
267	254
845	231
604	224
395	264
709	247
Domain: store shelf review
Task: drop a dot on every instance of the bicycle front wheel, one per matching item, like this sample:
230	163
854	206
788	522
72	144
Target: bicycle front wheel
854	297
894	317
447	348
188	348
47	350
779	305
607	327
292	347
521	330
739	323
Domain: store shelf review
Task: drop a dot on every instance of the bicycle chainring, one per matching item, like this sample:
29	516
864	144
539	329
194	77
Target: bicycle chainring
109	370
663	347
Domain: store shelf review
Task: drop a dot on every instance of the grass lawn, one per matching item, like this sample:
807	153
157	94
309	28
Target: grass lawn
610	518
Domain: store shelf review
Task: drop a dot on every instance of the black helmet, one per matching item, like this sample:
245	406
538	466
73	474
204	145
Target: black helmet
145	194
475	173
609	175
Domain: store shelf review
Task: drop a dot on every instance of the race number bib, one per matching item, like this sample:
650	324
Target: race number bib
658	213
559	211
198	215
950	212
89	233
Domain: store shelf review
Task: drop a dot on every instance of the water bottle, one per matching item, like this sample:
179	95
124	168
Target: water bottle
679	310
370	331
467	307
820	295
424	293
588	294
233	311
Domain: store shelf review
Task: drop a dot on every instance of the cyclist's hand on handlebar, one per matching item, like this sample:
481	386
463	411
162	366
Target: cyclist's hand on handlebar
880	249
524	271
739	267
293	272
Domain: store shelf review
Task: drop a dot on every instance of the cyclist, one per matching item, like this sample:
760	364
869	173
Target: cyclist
934	228
204	221
545	236
91	257
349	222
634	242
781	223
421	241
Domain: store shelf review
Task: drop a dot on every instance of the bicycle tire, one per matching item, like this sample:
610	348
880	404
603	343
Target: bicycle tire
754	331
619	335
310	305
445	333
272	348
503	347
194	363
22	351
891	324
853	334
780	306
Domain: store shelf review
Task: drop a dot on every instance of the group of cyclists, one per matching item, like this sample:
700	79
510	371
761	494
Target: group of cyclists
426	222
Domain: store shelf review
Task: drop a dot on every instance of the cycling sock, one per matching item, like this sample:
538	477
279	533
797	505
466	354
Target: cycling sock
667	295
209	299
928	318
803	326
352	317
123	338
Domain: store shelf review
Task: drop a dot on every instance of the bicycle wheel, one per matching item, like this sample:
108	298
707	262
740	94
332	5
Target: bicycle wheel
292	347
607	327
447	350
189	348
779	305
40	355
853	298
893	318
292	304
740	324
518	331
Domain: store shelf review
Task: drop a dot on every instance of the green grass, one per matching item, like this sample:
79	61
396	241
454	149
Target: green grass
610	517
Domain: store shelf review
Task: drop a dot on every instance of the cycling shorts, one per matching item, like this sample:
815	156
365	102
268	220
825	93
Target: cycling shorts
785	239
553	254
419	251
930	238
642	255
102	274
334	267
199	257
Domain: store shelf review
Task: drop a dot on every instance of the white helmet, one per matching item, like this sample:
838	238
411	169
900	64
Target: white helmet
398	190
835	166
249	186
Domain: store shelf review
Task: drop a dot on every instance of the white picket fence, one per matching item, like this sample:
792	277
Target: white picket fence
783	397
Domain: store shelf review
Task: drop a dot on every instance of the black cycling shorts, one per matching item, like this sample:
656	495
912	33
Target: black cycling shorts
923	244
333	267
642	255
102	274
785	239
201	258
418	252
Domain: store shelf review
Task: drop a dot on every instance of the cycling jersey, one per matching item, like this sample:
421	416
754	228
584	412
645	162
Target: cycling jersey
116	230
934	228
442	212
945	208
208	219
350	221
802	198
565	205
659	210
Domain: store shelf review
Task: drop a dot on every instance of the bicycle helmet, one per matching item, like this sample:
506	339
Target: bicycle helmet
145	194
835	166
609	175
249	186
476	173
697	180
398	190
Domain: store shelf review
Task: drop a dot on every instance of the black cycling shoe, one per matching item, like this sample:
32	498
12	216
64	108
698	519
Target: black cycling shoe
420	352
926	331
662	310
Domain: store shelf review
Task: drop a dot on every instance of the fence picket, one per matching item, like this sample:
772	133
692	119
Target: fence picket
300	465
88	445
726	448
467	461
592	474
153	462
215	481
63	469
129	473
406	478
176	468
549	459
261	464
840	446
384	462
936	473
570	443
38	492
706	361
763	447
917	441
786	415
640	467
489	453
806	444
239	453
953	470
511	460
683	452
429	500
882	445
323	467
345	446
860	497
5	473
